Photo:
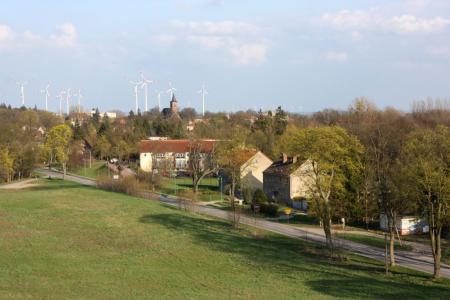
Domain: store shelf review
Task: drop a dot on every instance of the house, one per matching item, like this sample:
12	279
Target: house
406	224
110	115
253	164
253	168
287	181
170	155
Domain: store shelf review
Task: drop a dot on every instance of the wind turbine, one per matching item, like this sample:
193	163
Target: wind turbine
203	92
68	96
144	85
46	93
22	85
60	97
171	90
136	85
158	94
79	96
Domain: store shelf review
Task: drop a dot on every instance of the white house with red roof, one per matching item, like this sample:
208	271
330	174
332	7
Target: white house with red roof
170	155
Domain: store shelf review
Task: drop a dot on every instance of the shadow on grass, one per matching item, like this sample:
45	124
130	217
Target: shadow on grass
376	289
201	186
288	257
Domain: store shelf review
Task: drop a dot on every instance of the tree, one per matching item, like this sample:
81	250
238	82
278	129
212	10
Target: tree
334	157
6	165
58	142
103	147
280	121
426	157
386	137
202	161
231	157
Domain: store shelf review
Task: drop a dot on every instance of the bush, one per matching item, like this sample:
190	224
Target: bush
270	209
149	180
247	193
259	197
127	185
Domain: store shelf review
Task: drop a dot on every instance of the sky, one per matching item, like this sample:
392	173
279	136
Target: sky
251	54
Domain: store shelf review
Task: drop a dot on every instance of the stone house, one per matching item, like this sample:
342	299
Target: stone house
287	181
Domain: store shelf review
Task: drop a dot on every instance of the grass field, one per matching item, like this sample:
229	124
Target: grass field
208	188
61	240
99	168
371	241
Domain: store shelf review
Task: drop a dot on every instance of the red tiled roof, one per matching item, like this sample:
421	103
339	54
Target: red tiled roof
175	146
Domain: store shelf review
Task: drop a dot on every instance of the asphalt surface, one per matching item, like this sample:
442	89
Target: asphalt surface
409	259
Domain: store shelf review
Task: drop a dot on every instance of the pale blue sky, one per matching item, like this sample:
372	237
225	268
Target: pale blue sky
303	55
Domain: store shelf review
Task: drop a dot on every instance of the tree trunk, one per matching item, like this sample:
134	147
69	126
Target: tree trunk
195	183
64	170
435	238
327	228
391	239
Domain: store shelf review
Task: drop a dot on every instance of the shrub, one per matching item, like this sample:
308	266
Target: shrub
247	193
127	185
270	209
259	197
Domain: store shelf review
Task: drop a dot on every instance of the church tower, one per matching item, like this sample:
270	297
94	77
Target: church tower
173	105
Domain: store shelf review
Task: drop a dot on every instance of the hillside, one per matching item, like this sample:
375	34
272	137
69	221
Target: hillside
60	240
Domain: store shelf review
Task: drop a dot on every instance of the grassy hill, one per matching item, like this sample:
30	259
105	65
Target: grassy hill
61	240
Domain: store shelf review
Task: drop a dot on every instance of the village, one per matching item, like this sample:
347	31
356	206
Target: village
210	149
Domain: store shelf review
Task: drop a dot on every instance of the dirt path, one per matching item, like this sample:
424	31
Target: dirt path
23	184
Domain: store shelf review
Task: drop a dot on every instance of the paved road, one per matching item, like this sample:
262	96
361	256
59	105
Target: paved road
413	260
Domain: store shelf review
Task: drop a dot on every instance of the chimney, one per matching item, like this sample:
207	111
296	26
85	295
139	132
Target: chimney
294	159
285	158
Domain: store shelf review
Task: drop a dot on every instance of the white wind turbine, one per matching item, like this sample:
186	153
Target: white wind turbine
46	93
144	85
158	94
171	90
136	85
79	96
68	96
203	92
60	97
21	86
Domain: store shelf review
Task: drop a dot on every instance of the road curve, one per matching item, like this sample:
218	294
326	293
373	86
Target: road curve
408	259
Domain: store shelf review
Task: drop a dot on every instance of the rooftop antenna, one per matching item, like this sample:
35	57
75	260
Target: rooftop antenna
46	93
21	86
203	92
171	90
144	85
136	85
68	96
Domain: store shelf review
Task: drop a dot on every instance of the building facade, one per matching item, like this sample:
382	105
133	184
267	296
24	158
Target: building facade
170	155
288	181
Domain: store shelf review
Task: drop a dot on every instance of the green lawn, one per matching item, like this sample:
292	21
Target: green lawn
64	241
208	188
98	168
371	240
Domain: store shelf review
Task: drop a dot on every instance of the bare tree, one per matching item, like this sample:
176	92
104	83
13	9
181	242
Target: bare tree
202	160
